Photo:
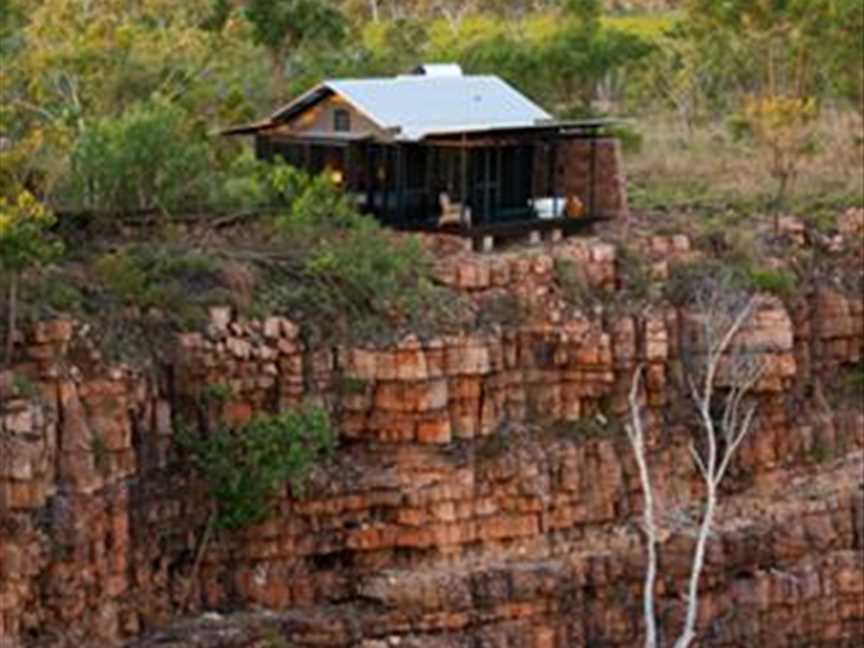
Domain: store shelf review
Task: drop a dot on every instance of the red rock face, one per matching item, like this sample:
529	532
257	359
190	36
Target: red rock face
484	493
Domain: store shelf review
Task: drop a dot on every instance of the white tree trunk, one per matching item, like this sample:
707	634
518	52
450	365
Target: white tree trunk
724	314
636	435
688	633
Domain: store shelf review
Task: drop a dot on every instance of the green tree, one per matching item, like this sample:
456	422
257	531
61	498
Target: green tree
283	26
778	49
581	56
772	47
148	157
12	19
784	127
77	62
23	244
842	55
559	58
678	74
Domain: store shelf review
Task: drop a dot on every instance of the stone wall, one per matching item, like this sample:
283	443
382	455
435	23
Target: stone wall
574	169
483	493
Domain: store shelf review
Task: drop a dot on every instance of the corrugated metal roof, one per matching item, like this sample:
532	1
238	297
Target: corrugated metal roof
419	105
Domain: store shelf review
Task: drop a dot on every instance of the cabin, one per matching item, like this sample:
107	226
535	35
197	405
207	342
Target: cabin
438	149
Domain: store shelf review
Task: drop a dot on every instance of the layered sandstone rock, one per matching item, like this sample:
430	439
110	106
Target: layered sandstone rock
772	578
484	491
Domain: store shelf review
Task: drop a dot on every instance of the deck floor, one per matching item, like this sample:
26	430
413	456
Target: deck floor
567	226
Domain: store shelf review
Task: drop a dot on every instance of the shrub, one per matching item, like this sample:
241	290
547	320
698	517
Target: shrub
49	293
122	275
594	427
147	276
243	184
631	139
633	274
776	281
216	393
743	275
24	244
687	278
572	280
319	206
249	183
150	156
246	468
350	269
23	386
363	266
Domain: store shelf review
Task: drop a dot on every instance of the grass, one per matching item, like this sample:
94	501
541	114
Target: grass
707	170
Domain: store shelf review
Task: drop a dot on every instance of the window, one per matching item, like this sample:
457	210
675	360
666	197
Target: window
341	120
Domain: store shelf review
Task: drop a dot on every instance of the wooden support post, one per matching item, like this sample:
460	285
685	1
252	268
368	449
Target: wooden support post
346	167
499	180
550	181
487	184
429	195
371	178
554	163
592	174
388	186
400	185
464	173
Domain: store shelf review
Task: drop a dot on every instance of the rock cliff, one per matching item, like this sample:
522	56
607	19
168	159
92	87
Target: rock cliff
483	493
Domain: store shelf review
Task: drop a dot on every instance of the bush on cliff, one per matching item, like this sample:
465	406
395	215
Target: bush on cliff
747	276
246	468
344	269
24	244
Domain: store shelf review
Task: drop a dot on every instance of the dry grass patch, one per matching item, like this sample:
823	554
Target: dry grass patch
710	169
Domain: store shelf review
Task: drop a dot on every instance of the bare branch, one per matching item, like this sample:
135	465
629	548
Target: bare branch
697	458
743	430
715	354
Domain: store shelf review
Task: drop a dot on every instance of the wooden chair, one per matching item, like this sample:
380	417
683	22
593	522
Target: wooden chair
451	213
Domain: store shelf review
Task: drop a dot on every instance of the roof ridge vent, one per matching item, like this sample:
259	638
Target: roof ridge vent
438	70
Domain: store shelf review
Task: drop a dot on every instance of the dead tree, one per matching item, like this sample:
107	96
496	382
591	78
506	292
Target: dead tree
636	434
721	374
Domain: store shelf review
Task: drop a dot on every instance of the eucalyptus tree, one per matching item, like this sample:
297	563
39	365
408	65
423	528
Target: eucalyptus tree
283	26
